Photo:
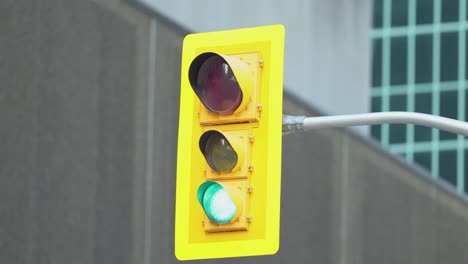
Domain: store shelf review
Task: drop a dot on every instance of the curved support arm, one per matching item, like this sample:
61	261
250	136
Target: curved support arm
294	123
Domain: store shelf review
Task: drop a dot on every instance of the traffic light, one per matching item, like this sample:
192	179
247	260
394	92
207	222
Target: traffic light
229	144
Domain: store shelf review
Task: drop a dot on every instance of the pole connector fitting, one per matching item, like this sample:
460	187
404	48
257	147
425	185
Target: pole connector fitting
292	124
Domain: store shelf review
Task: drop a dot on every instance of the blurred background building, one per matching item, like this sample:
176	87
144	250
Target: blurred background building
89	101
419	56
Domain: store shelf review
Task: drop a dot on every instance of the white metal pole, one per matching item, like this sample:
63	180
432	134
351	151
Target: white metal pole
301	123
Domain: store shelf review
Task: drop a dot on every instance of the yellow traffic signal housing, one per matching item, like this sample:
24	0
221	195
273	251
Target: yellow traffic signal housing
229	144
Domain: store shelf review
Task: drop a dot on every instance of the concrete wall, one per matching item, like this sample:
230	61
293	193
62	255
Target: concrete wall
89	96
69	93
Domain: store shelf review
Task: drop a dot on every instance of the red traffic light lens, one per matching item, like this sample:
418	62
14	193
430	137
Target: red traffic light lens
215	84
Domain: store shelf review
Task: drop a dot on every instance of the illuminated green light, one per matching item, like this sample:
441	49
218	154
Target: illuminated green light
216	202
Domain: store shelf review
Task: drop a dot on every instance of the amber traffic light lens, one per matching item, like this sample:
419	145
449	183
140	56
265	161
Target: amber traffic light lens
215	84
218	152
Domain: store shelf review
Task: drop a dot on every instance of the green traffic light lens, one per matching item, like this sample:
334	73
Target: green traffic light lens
218	152
216	203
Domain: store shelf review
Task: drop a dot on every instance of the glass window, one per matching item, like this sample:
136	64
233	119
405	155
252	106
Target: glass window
449	56
398	60
397	134
466	170
378	13
376	106
398	103
448	166
449	10
448	108
466	11
466	53
466	105
423	58
399	13
397	131
423	159
424	11
376	132
423	104
377	62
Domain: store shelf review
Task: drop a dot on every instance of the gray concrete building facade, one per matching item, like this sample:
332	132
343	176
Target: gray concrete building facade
89	101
